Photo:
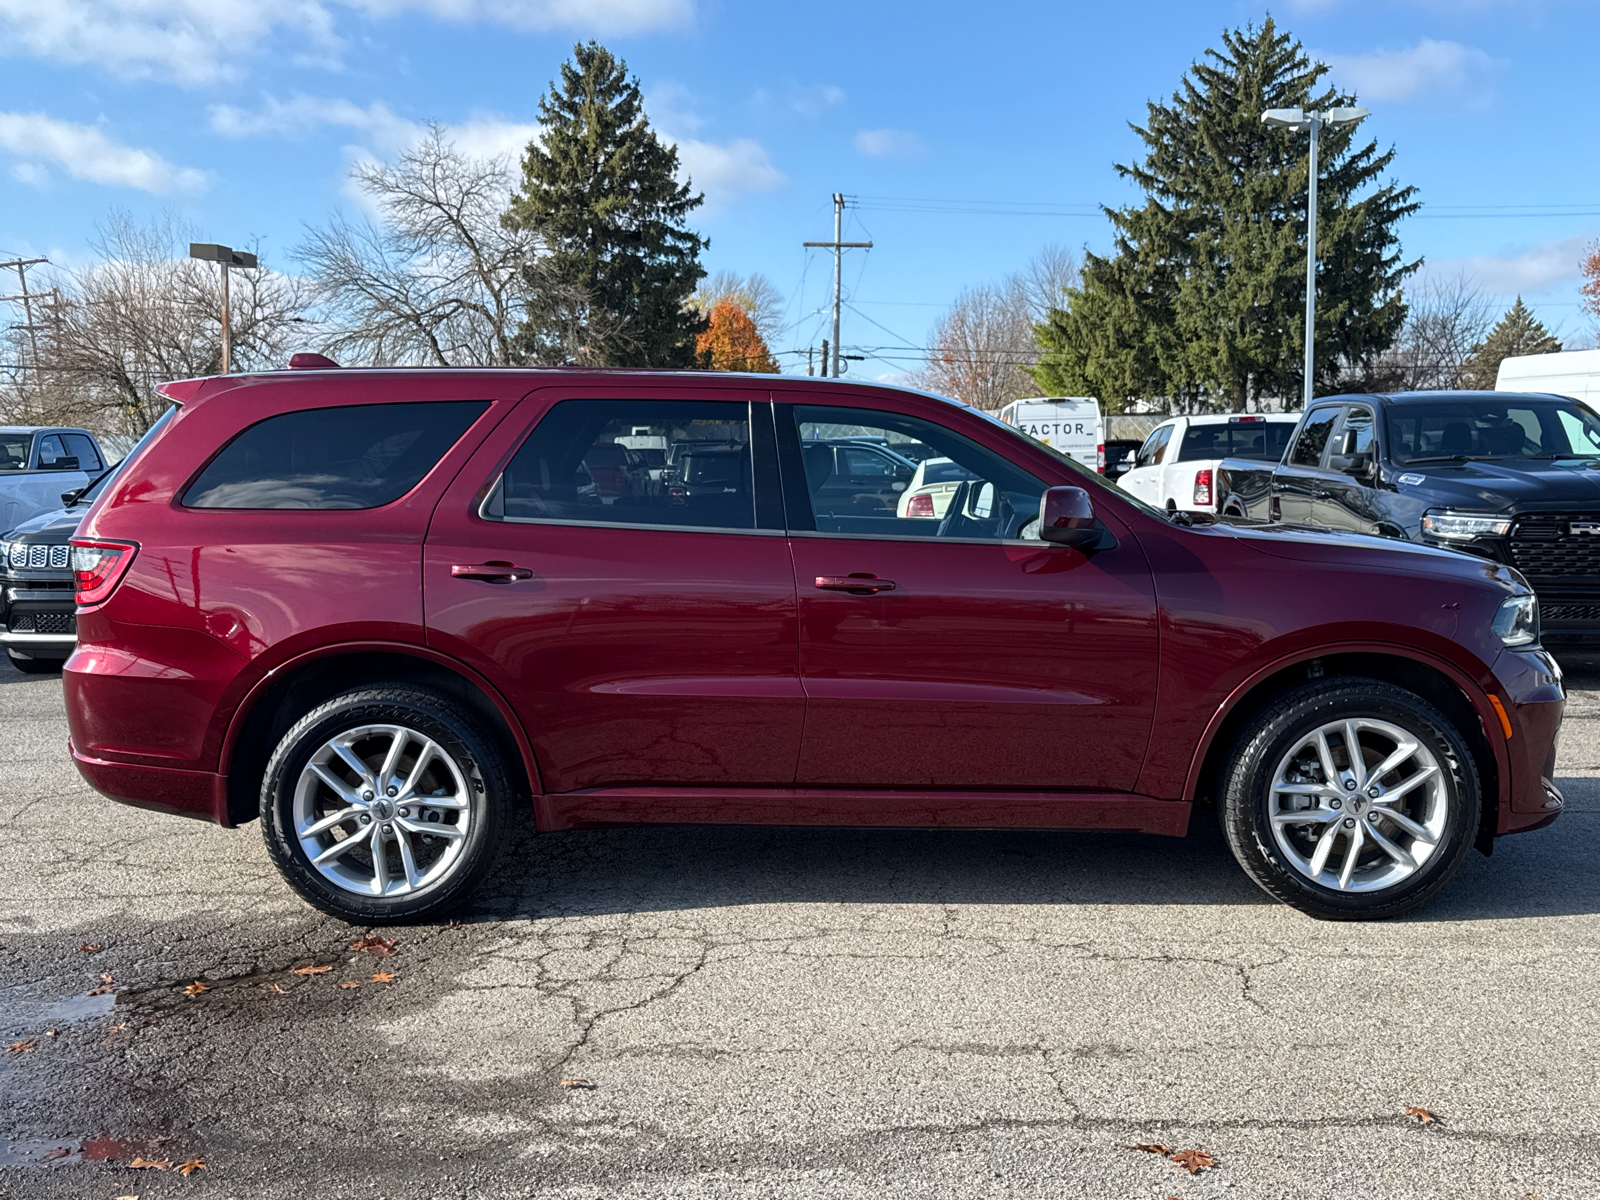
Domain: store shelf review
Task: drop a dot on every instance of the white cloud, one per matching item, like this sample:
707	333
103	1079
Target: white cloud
85	152
1521	271
724	169
381	131
1430	71
888	143
809	100
200	41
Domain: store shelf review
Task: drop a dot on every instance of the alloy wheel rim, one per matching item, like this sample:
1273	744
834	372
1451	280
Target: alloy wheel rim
1358	805
382	811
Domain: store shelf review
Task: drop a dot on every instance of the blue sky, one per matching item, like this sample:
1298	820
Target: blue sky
243	117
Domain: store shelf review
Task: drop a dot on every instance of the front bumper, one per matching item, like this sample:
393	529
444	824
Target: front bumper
37	616
1534	702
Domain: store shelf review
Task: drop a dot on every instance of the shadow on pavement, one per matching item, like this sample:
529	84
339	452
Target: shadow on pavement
663	868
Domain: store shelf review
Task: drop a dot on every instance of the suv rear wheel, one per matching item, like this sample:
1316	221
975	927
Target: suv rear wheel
1350	799
386	804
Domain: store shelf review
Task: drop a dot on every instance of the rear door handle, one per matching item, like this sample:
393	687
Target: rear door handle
492	572
860	584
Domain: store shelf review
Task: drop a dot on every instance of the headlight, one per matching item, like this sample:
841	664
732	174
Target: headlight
1463	526
1517	621
13	554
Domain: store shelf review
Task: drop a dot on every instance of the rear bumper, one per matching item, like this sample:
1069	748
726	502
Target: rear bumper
199	794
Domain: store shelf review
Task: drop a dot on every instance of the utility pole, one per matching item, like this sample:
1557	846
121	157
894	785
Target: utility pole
22	265
838	247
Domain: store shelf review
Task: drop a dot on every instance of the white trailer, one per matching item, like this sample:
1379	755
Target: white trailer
1574	373
1070	424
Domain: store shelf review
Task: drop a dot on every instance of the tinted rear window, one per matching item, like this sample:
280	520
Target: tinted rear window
360	456
1246	439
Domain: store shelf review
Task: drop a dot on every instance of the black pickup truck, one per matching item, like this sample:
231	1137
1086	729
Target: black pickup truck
1511	477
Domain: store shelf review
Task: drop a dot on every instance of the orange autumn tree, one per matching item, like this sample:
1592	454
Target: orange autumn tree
732	343
1591	279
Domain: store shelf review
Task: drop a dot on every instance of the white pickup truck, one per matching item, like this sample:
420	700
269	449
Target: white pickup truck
37	464
1176	467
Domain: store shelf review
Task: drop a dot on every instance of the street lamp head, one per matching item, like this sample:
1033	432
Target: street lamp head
1284	118
211	252
1343	116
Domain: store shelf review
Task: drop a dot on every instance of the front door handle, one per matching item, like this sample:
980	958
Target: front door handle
491	572
859	584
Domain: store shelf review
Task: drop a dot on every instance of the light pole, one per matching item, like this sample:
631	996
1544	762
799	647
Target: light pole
211	252
1312	122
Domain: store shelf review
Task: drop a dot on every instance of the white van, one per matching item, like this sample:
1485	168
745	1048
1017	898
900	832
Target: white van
1574	373
1070	424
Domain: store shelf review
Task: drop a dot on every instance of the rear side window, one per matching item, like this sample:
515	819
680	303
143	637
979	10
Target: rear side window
1313	437
591	461
359	456
1264	440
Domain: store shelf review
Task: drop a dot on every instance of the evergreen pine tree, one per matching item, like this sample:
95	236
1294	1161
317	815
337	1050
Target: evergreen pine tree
1202	300
599	187
1517	333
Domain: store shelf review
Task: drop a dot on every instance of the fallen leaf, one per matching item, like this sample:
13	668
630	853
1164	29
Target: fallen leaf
383	977
1420	1115
1193	1161
188	1168
27	1047
151	1164
311	970
100	991
127	1198
52	1032
1151	1148
584	1084
378	947
58	1152
118	1028
349	983
275	988
195	988
89	948
105	978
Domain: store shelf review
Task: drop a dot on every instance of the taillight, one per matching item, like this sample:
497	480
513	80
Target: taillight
97	567
920	505
1100	458
1202	486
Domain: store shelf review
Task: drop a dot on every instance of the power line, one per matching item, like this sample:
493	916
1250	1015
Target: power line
1033	208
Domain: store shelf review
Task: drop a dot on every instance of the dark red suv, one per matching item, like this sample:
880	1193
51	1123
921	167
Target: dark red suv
386	609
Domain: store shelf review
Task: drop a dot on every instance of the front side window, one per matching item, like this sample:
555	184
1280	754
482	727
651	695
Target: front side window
681	463
357	456
925	480
81	448
1313	439
1155	445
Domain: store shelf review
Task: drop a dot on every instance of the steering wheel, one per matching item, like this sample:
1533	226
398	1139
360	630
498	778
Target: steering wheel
958	502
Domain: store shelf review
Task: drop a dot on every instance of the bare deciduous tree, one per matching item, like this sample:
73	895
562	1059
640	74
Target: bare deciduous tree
1447	318
982	346
143	314
756	295
438	279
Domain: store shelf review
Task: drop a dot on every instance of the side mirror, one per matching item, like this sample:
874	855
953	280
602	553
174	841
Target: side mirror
1359	465
69	498
65	463
1066	517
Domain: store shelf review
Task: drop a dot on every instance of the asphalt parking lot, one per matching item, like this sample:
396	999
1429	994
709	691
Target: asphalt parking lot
783	1013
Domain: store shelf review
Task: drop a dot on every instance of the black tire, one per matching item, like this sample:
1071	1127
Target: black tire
1246	799
37	666
489	802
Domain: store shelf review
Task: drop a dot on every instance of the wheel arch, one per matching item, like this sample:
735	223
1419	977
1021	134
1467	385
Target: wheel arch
1440	683
296	687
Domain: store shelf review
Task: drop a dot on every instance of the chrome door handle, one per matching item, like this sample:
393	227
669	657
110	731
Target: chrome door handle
491	572
860	584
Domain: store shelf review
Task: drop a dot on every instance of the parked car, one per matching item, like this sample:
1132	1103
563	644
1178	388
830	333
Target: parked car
1508	477
37	464
1177	464
931	488
37	625
862	474
370	607
1070	425
1121	457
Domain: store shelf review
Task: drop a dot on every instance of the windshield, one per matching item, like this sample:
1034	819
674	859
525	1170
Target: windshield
14	451
1457	429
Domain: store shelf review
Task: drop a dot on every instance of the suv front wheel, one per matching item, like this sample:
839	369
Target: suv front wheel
1350	799
386	804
